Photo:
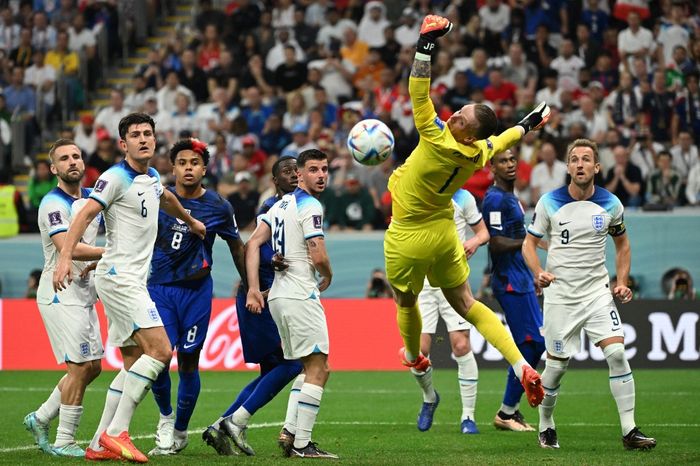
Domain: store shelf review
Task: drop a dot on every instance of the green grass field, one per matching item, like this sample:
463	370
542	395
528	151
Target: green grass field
369	418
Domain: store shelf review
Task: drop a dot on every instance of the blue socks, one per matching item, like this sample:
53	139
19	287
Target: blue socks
161	392
532	352
187	394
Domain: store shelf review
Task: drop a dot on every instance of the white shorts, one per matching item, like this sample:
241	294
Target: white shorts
128	307
563	323
301	325
74	332
432	304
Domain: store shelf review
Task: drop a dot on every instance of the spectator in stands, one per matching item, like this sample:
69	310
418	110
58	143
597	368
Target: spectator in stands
330	111
604	72
109	117
217	116
354	208
84	134
334	28
659	106
209	15
457	96
634	42
225	74
372	24
13	213
244	18
209	52
244	200
166	94
315	13
22	54
40	183
300	141
43	33
104	156
33	284
296	113
518	70
255	74
568	66
500	92
596	19
495	19
193	77
368	75
692	188
63	16
291	74
541	52
685	155
283	14
551	93
587	48
353	49
687	115
644	151
409	29
595	123
136	98
276	56
254	156
378	286
304	33
255	111
221	159
478	73
67	64
274	137
82	38
43	79
623	106
625	179
9	30
19	97
182	119
671	35
664	183
547	175
679	284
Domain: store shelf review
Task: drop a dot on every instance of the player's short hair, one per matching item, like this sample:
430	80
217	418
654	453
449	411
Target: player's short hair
583	143
488	122
136	118
310	154
278	162
195	145
60	143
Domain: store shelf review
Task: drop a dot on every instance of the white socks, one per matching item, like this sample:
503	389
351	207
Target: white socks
68	422
468	376
241	416
621	384
307	410
49	408
290	420
114	394
425	382
136	385
554	370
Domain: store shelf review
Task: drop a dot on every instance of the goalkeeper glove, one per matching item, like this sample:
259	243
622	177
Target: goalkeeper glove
433	27
536	119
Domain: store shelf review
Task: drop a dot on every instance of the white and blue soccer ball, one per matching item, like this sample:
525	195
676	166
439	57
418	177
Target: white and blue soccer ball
370	142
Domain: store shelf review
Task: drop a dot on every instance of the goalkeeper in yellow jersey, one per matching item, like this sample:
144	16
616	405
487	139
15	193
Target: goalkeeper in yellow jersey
422	238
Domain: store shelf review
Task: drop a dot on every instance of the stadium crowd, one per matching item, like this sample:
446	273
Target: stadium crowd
259	80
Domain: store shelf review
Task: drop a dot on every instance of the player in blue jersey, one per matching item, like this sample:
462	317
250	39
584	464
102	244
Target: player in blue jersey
260	340
512	282
181	285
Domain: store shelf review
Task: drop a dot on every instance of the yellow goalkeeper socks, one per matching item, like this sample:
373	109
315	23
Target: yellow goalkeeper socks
488	324
410	327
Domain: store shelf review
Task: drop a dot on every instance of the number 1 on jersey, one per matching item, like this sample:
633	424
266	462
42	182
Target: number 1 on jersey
449	180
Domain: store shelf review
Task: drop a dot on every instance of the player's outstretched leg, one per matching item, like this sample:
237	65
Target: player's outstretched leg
509	416
623	390
551	381
37	422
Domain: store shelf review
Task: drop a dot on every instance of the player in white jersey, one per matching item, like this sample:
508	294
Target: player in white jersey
577	218
295	226
131	194
69	315
433	305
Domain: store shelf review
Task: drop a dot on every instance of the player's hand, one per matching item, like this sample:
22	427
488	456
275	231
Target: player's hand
623	293
198	228
537	118
86	271
470	247
538	289
324	283
255	301
433	27
63	275
544	279
278	262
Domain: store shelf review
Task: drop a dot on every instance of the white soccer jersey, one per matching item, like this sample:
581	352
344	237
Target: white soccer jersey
56	210
466	215
131	201
294	219
577	231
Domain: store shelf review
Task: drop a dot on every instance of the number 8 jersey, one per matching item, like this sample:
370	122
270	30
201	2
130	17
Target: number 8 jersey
131	201
293	220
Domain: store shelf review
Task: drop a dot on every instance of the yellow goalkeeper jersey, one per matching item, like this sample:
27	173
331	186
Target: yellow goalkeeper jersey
422	188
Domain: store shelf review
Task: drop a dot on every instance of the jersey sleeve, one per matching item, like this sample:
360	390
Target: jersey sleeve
311	218
152	172
428	124
228	229
540	219
109	187
470	210
54	215
497	144
617	219
494	219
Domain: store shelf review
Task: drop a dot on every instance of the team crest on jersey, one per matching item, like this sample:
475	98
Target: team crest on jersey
598	222
318	223
55	218
439	123
84	349
180	221
100	186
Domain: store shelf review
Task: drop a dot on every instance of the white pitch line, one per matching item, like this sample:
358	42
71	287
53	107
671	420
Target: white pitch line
263	425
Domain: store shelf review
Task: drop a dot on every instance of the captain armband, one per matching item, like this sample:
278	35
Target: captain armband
617	230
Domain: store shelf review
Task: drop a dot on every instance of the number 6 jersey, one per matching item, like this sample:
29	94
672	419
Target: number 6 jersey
577	233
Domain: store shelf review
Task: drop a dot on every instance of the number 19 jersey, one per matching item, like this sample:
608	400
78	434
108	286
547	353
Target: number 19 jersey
294	219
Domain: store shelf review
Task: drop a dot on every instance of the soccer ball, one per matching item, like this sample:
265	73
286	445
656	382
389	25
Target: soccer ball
370	142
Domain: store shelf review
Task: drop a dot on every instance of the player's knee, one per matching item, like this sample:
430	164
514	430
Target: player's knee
95	369
460	348
161	353
616	359
188	363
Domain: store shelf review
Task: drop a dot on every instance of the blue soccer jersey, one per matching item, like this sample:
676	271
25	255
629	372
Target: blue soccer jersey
504	216
178	254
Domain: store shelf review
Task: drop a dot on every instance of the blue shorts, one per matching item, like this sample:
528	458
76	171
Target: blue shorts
260	338
523	314
185	309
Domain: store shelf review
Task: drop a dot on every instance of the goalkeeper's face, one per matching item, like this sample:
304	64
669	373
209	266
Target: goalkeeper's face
462	124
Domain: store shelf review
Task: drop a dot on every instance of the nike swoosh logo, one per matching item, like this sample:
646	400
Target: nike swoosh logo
141	194
188	346
462	323
615	329
499	227
564	223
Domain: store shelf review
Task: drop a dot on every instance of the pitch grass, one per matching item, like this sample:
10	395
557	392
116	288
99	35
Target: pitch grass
369	418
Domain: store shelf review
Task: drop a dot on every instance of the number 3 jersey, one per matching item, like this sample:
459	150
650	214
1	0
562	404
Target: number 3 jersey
130	201
577	233
178	254
293	220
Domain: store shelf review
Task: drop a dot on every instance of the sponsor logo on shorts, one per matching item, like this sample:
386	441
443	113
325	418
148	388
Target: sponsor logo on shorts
55	218
153	314
84	349
558	346
100	186
598	222
318	222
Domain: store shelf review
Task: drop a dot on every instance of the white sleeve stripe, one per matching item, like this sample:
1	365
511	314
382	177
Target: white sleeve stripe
266	221
534	233
476	221
95	197
314	235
